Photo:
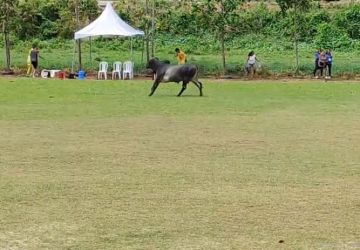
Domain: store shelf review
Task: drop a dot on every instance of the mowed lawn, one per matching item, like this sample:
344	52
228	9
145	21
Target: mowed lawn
250	165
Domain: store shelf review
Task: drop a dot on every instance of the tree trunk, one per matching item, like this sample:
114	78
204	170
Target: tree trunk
77	15
296	41
147	30
7	50
297	69
147	47
153	29
222	41
6	38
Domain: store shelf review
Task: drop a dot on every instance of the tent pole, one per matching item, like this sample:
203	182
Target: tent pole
90	54
131	49
73	60
79	50
78	27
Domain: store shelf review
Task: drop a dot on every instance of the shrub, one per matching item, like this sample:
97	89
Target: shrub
348	20
329	36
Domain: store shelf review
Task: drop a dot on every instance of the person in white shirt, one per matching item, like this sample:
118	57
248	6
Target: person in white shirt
251	63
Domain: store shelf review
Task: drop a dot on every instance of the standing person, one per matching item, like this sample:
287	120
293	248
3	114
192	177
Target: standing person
329	59
322	63
28	62
317	57
34	56
181	56
251	63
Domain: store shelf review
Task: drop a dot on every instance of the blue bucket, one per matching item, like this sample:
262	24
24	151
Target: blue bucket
81	75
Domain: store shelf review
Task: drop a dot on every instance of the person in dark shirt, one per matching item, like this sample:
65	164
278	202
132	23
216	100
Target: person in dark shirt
329	60
317	67
34	56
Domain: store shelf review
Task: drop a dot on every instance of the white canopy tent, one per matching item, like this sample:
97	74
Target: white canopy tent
108	24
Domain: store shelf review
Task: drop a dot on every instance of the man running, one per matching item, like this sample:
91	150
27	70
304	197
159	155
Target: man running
181	56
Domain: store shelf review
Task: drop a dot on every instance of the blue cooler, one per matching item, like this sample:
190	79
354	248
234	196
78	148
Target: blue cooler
81	75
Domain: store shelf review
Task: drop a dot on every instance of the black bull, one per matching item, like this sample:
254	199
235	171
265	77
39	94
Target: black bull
174	73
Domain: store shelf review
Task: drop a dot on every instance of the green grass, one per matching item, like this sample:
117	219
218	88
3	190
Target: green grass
100	165
274	62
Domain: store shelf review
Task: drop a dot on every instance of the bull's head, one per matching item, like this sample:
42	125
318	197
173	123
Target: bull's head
152	63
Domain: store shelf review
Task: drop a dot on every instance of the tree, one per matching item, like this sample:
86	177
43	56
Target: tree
219	14
290	4
29	20
8	21
296	8
153	28
138	13
75	14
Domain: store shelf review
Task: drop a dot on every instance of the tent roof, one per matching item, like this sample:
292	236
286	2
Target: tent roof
107	24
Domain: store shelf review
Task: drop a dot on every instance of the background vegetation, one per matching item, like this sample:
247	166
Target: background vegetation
204	29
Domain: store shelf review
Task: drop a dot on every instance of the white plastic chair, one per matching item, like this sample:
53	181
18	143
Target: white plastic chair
53	72
116	70
103	66
128	69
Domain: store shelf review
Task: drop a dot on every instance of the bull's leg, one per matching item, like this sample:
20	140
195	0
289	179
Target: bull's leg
183	88
153	88
199	85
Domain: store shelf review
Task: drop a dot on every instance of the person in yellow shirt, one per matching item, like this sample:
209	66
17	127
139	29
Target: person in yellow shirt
181	56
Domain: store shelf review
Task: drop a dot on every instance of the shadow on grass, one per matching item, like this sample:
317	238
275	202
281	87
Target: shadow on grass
183	96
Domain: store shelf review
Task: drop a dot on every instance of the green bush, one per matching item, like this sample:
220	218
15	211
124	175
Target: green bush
348	20
314	19
329	36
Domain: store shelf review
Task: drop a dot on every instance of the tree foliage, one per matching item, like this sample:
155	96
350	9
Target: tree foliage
198	26
348	20
48	19
8	22
221	15
297	4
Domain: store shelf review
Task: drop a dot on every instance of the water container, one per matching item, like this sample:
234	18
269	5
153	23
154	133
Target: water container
81	75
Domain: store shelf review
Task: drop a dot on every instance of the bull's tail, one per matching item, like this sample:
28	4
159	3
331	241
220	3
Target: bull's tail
196	81
196	75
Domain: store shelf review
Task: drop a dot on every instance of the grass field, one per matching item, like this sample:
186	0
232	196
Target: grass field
251	165
274	62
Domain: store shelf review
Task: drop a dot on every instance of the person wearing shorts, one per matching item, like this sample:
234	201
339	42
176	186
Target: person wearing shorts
251	63
34	56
